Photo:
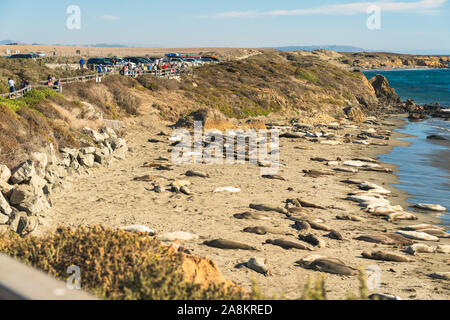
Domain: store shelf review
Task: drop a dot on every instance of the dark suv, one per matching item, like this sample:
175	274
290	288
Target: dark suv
99	61
23	56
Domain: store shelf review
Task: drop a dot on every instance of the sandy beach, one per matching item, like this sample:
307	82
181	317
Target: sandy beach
110	197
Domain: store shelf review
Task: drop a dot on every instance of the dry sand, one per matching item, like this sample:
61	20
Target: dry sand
110	197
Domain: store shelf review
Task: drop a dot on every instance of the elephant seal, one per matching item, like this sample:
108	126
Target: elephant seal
419	227
228	244
302	226
416	235
191	173
251	215
313	239
263	207
385	256
350	218
308	204
285	244
436	232
138	229
389	239
431	207
440	275
329	265
334	234
258	265
419	248
273	177
265	230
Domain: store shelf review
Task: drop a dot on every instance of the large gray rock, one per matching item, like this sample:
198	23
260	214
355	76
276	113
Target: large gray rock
18	222
86	160
5	173
3	219
109	131
23	172
5	188
118	143
94	135
40	161
70	153
120	153
5	208
102	156
87	150
26	198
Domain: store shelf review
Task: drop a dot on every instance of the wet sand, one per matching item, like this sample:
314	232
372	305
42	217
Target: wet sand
110	197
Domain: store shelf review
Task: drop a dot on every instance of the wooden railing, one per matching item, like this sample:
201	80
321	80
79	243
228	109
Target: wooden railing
169	72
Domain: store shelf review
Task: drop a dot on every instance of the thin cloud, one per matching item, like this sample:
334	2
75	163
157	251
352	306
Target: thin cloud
106	17
423	6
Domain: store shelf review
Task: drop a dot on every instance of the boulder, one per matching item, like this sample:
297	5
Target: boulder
87	150
28	199
5	173
5	208
18	222
40	161
5	188
102	156
355	114
383	90
204	115
86	160
94	135
23	172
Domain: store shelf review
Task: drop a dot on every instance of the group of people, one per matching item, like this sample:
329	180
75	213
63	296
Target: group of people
53	82
12	85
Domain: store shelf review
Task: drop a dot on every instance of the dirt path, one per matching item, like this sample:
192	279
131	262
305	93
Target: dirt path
110	197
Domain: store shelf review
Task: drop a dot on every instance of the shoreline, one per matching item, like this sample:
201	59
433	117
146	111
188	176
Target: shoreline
403	69
119	201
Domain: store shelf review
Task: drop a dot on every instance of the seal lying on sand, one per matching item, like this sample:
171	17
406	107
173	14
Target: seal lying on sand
251	215
273	177
299	223
324	264
389	239
191	173
431	207
385	256
313	239
416	235
285	244
265	230
263	207
349	218
334	234
420	248
302	226
228	244
258	265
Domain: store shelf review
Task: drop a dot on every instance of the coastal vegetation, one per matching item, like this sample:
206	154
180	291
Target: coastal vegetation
119	265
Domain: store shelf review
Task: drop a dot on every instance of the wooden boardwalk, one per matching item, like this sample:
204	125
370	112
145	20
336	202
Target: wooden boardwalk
167	73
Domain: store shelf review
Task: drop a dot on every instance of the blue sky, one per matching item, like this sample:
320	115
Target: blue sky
405	25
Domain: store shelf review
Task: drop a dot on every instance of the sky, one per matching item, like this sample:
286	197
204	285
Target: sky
405	25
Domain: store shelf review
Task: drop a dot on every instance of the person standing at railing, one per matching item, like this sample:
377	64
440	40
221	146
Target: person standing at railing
12	85
82	63
25	84
99	69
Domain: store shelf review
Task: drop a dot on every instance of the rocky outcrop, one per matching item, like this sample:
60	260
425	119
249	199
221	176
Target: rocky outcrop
355	114
384	92
25	191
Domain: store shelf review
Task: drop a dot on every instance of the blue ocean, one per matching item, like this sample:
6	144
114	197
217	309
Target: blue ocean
424	165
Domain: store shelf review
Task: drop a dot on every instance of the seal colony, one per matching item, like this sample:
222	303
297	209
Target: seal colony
329	210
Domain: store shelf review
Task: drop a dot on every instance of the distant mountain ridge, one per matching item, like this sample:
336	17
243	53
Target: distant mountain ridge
329	47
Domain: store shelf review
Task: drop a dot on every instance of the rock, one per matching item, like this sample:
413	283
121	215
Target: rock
205	115
94	135
88	150
23	172
258	265
138	229
40	161
3	220
28	199
431	207
179	235
5	208
383	90
436	137
102	156
5	173
19	222
355	114
120	153
5	188
67	152
86	160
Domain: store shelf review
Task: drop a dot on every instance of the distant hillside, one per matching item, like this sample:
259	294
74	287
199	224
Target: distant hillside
331	47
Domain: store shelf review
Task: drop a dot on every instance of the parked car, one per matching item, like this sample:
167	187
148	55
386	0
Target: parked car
99	61
23	56
40	54
137	60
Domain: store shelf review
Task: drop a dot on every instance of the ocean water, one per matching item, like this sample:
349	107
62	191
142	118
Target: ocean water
424	165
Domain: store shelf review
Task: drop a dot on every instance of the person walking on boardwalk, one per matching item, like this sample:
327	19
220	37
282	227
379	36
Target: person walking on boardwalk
82	63
12	85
